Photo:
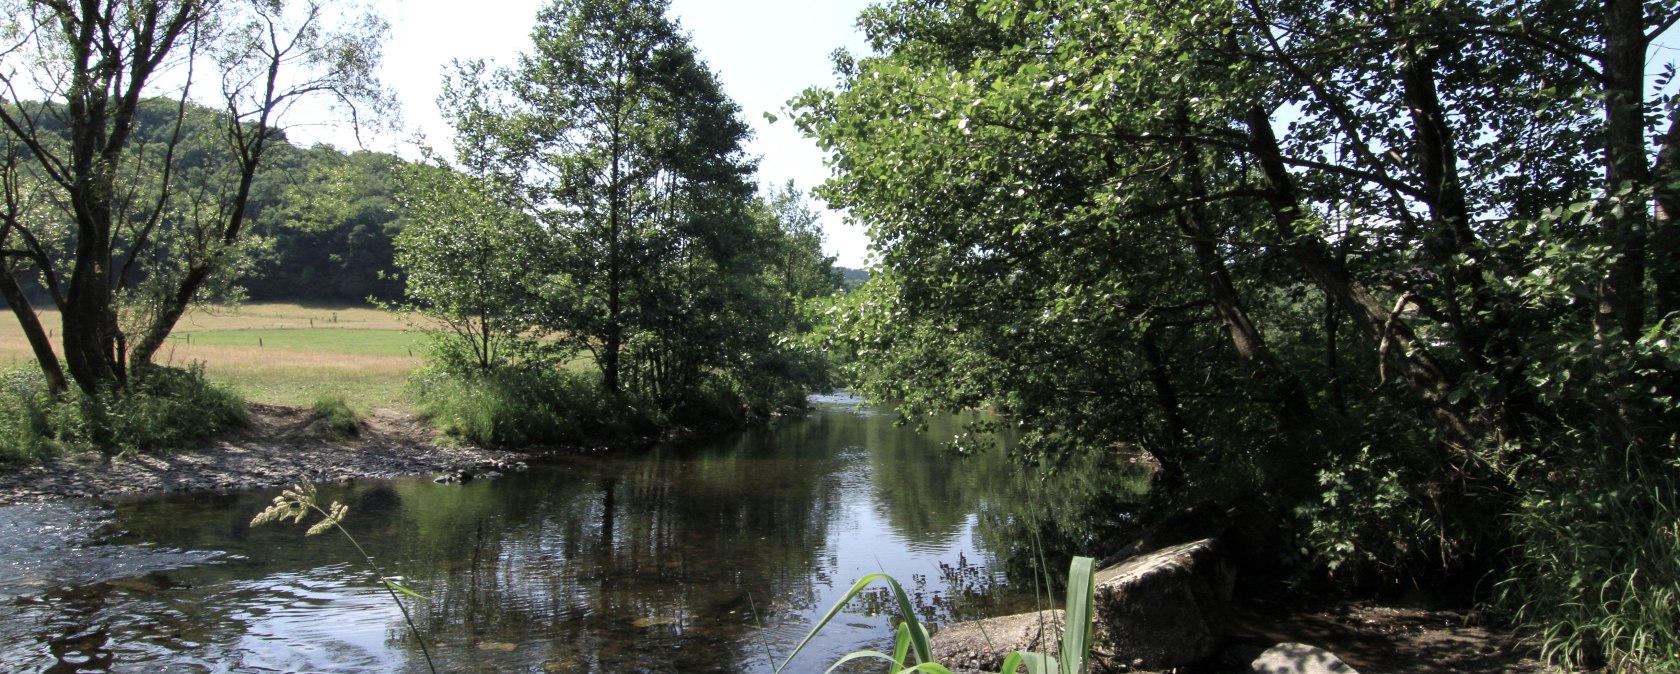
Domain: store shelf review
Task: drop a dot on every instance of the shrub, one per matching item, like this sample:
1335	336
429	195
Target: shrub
517	406
167	409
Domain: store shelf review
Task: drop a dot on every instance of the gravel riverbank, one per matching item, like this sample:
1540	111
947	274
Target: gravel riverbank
279	447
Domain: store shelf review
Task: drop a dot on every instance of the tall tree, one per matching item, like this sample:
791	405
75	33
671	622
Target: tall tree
629	153
140	247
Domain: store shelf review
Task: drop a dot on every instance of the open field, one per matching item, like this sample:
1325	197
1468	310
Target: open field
285	354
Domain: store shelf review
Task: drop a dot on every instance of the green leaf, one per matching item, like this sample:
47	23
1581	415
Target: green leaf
400	588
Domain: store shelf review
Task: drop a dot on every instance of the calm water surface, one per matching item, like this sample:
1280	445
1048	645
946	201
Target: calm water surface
713	556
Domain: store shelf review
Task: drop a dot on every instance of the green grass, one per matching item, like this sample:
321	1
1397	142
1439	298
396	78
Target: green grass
341	420
344	341
283	354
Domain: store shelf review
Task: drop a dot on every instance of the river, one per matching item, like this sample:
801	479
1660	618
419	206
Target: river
715	556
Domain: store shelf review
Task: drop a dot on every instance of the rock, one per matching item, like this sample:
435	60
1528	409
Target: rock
487	475
1166	608
453	477
983	644
1299	659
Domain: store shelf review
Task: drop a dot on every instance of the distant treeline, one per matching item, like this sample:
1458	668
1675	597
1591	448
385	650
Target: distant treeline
321	221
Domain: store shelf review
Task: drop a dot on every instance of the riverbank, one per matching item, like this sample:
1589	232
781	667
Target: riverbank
280	446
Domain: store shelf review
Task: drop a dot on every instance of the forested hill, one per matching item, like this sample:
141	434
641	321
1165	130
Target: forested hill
320	221
852	278
326	220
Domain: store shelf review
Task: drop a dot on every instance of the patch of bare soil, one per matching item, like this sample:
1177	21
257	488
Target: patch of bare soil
1377	639
280	446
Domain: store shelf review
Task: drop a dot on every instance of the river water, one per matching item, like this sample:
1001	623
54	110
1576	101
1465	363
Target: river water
712	556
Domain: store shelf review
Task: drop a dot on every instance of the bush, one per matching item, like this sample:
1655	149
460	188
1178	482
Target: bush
166	409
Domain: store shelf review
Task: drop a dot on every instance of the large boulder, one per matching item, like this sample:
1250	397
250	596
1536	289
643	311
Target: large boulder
1166	608
981	645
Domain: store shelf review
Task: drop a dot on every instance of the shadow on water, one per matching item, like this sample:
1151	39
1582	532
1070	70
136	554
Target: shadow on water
712	556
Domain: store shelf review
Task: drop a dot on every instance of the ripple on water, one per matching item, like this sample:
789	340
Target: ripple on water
49	545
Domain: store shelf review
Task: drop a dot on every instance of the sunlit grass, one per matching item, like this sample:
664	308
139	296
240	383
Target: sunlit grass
285	354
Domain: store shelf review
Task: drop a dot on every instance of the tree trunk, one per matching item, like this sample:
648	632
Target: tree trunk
1622	292
1173	446
1665	232
37	335
89	313
1269	380
1392	336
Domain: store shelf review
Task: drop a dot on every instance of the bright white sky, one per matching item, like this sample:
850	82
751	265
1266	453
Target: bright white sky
764	51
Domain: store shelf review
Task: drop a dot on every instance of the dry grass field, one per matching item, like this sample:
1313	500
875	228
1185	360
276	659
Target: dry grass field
285	354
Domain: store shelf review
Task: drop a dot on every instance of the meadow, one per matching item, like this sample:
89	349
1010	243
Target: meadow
286	354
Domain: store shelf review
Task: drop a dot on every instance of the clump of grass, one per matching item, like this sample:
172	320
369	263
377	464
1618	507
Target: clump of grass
1596	579
912	639
519	406
301	500
342	421
25	408
164	410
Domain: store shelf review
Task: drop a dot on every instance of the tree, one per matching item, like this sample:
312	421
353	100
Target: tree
469	260
628	152
1260	237
125	237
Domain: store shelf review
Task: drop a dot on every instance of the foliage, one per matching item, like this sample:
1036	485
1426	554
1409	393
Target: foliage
167	410
602	206
297	503
470	262
25	406
911	638
340	419
1398	271
126	208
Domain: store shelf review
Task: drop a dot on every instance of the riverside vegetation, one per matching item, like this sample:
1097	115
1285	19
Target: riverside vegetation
1406	278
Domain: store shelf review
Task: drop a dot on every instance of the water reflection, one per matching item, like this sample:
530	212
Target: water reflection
710	557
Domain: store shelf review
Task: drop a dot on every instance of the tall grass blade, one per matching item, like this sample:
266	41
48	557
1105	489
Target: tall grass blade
1037	663
918	637
901	648
399	587
924	668
1081	609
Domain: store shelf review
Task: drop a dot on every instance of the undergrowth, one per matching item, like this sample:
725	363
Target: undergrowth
165	409
1597	576
513	406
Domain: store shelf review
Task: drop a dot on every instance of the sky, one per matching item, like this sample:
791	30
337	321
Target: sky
764	52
